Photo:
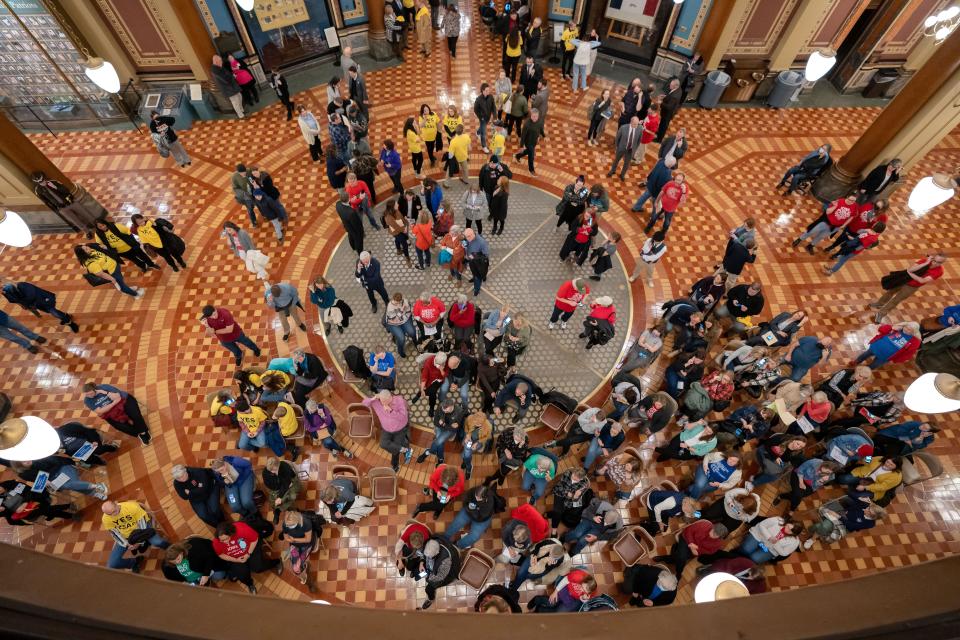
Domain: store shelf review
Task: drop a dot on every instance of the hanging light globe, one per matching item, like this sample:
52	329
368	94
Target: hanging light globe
27	438
719	586
930	192
14	231
818	64
933	393
102	74
246	5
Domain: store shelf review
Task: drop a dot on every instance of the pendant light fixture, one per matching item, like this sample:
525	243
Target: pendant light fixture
933	393
719	586
246	5
14	231
819	63
102	74
27	438
930	192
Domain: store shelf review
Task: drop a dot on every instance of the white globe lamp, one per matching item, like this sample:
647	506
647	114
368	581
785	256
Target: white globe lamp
719	586
102	74
13	230
818	64
27	438
933	393
246	5
930	192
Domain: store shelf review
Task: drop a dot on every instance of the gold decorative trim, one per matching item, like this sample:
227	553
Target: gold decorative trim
764	48
690	40
207	17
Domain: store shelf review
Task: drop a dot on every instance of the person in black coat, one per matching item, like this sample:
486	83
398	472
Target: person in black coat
73	435
877	180
675	145
271	210
279	84
742	300
106	228
20	506
736	256
201	488
34	299
490	174
161	129
530	75
409	205
173	245
668	108
498	205
649	585
352	223
200	558
498	598
310	374
630	100
368	272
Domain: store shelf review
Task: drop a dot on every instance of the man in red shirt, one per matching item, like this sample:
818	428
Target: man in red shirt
239	545
570	295
702	538
870	213
833	220
428	311
924	271
220	324
673	194
360	198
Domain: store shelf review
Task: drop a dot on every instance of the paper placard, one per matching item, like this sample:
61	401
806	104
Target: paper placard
557	31
59	481
330	35
805	425
84	451
428	330
41	482
837	455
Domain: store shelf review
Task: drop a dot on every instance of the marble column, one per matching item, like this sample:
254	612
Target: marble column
914	121
802	26
721	29
377	33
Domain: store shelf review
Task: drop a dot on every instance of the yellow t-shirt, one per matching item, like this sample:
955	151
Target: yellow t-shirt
423	12
252	420
148	233
413	141
459	147
100	262
115	242
288	423
498	144
567	36
127	521
408	4
219	408
450	123
428	127
514	52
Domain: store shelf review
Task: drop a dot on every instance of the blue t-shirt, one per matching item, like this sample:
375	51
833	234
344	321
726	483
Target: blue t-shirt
720	471
889	344
807	352
100	399
384	363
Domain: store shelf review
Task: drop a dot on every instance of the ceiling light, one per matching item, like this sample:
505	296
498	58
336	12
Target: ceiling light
933	393
246	5
27	438
13	230
818	64
930	192
102	74
719	586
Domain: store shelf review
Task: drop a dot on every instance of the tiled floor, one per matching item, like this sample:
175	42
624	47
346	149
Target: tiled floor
155	348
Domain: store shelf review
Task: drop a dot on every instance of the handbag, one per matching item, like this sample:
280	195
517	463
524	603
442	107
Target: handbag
896	279
508	105
94	280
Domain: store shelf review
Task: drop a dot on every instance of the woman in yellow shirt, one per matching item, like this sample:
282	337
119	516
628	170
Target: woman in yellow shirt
570	33
451	121
512	47
429	131
97	262
117	236
414	145
158	233
459	149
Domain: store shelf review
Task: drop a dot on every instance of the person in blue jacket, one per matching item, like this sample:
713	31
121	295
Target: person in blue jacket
904	438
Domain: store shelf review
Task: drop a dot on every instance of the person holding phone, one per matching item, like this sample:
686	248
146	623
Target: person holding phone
773	538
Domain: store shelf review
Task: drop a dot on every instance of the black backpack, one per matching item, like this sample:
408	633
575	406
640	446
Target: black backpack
560	399
261	525
353	357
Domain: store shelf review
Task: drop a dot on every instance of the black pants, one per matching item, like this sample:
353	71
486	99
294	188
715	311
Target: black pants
433	505
432	145
209	510
316	149
381	289
570	516
249	92
101	450
256	563
497	225
594	126
136	426
499	476
51	511
402	241
672	451
417	159
288	103
716	512
510	66
432	392
137	256
665	119
171	258
512	354
566	68
479	224
397	181
575	436
513	120
452	45
528	151
301	390
797	491
680	555
355	237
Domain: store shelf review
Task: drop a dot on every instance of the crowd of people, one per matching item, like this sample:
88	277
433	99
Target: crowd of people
738	407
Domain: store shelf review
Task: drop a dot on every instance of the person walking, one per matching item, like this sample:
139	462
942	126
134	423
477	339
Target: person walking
98	264
625	142
472	204
284	299
484	108
415	146
9	328
736	257
391	164
310	129
672	195
352	223
669	106
227	85
168	144
650	254
516	110
424	27
242	191
451	28
219	323
900	285
477	257
360	198
118	238
272	211
529	137
159	236
399	227
279	84
32	298
369	275
498	205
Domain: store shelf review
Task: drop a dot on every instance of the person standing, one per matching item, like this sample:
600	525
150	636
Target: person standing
736	257
879	179
672	195
360	198
656	179
424	27
650	124
625	142
429	125
118	238
242	191
900	285
650	254
451	28
352	223
248	84
161	128
498	204
219	323
512	48
347	61
370	277
310	129
458	152
473	201
227	85
688	74
279	84
415	146
35	300
199	487
159	235
118	408
271	210
133	530
392	165
541	100
399	227
340	136
570	295
530	75
668	108
395	31
581	59
483	108
529	137
600	112
9	328
570	33
358	89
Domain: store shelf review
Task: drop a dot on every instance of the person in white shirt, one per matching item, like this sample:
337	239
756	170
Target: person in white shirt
650	254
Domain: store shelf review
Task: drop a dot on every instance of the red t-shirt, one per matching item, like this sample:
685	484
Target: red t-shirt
650	126
932	272
866	218
671	194
843	212
223	320
354	190
428	313
569	292
239	544
604	313
867	239
698	533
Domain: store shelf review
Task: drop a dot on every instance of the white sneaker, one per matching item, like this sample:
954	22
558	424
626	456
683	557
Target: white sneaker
550	326
563	325
140	292
748	485
808	543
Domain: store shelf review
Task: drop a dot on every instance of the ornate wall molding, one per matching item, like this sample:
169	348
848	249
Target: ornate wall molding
144	30
757	31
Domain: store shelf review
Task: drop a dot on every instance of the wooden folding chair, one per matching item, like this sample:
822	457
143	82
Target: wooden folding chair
383	484
346	471
476	569
361	421
629	548
298	436
555	418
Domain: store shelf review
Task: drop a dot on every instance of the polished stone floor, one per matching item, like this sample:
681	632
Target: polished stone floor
155	348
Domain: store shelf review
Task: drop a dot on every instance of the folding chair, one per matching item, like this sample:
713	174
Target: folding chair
346	471
555	418
298	436
629	548
383	484
361	421
476	569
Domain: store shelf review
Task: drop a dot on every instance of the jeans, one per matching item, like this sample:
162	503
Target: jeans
750	547
655	216
462	520
593	452
578	533
248	203
277	228
75	483
7	333
365	210
402	243
618	410
638	205
795	175
240	496
423	257
560	314
439	441
178	152
464	391
401	332
797	371
701	484
482	132
117	561
579	74
209	510
331	445
539	485
818	233
124	288
875	360
234	348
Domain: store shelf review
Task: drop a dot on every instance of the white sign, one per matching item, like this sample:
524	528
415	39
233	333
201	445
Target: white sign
330	34
638	12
